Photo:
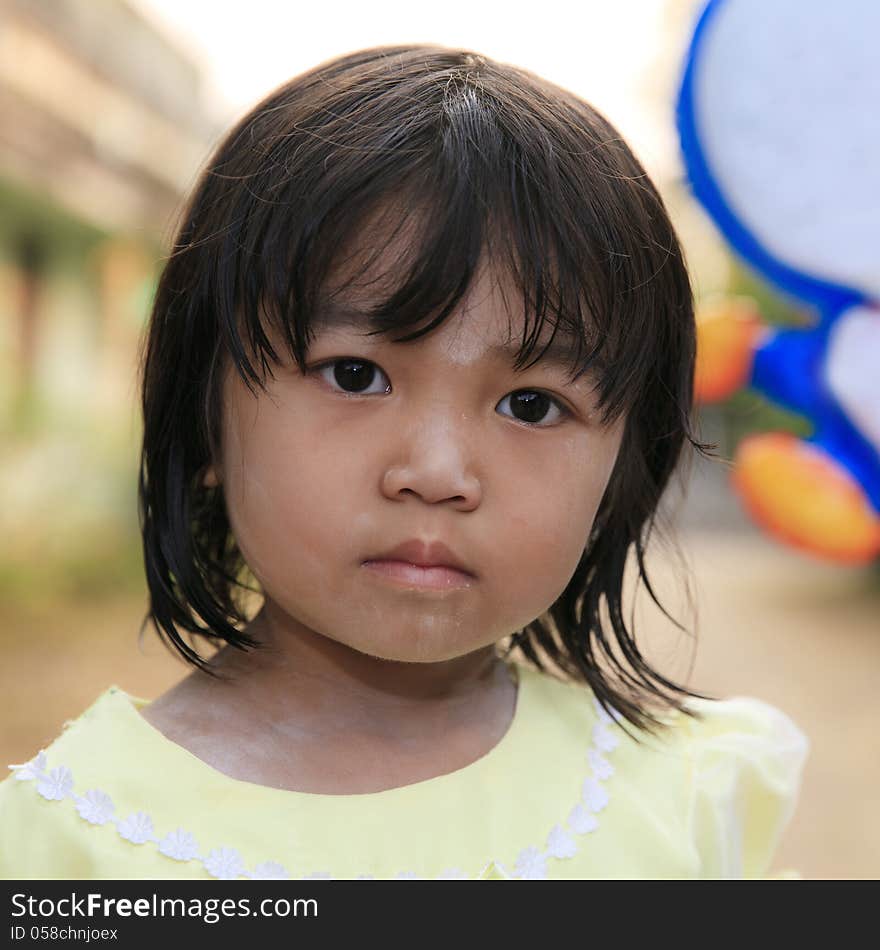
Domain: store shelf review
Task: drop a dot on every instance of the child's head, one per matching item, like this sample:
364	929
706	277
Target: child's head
417	295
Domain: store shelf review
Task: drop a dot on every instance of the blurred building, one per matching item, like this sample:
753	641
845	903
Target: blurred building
102	129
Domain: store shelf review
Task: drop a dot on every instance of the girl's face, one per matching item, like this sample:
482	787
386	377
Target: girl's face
438	439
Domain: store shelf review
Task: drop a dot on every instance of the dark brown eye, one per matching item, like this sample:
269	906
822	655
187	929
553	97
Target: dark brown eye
531	406
353	375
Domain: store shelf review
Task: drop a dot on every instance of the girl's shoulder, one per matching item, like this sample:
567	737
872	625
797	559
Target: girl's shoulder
741	741
738	729
744	760
743	727
48	802
748	762
709	795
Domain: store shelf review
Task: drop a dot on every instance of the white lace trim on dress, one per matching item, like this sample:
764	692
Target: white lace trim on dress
97	808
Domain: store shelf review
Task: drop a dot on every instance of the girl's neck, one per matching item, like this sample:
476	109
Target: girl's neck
309	714
299	676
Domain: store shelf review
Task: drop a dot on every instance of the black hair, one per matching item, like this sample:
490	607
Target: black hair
484	158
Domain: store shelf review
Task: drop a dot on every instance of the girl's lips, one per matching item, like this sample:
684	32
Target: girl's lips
411	575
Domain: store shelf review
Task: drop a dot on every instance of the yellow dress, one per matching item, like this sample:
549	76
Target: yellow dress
565	794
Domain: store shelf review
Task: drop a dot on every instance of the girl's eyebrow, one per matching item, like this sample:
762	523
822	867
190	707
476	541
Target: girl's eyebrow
557	352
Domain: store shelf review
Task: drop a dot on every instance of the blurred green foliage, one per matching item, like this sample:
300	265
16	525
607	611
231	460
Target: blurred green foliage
70	519
68	470
69	237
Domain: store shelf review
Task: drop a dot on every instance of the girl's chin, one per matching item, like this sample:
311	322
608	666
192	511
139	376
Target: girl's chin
411	649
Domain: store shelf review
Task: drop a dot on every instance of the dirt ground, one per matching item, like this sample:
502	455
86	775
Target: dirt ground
772	623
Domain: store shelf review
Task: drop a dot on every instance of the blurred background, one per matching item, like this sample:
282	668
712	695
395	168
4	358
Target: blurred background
108	108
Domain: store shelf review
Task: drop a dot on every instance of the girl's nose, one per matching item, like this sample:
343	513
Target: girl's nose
435	461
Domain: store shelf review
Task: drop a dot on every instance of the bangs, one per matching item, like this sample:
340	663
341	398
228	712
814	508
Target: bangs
408	187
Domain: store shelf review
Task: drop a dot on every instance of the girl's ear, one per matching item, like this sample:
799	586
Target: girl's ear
210	479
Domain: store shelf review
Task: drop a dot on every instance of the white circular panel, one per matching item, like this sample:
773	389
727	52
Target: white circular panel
852	369
787	107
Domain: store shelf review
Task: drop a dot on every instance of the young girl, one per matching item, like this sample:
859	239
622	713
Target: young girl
418	372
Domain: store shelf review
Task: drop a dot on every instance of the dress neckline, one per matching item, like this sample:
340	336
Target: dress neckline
500	757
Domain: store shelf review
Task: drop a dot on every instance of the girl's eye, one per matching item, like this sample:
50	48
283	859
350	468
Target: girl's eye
353	375
356	376
531	406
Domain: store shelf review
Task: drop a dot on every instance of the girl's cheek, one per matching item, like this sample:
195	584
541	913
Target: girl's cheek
548	537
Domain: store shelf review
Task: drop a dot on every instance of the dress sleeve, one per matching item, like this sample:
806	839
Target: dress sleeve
20	830
39	839
747	761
